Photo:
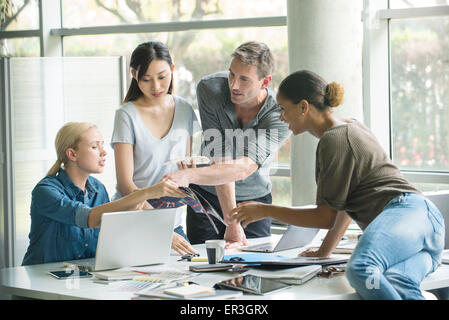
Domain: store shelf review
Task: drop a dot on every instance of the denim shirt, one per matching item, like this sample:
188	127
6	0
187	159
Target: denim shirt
59	213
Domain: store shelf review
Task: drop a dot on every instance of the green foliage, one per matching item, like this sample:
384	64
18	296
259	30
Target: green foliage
420	93
9	10
5	12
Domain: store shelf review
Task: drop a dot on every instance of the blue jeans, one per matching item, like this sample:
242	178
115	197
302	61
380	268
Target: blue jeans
398	249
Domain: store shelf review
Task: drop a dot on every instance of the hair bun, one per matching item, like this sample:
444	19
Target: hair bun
334	94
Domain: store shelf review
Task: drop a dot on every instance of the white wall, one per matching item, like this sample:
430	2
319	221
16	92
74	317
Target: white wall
324	36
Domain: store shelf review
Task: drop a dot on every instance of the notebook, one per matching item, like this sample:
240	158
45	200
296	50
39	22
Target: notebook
190	291
293	237
295	276
163	274
131	238
159	293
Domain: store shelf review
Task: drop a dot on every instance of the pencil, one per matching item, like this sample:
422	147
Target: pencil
198	259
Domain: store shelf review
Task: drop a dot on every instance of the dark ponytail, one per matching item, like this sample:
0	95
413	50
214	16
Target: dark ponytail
141	59
309	86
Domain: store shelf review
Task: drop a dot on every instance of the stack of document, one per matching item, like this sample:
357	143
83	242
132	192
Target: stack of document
193	291
115	275
344	247
151	274
293	276
190	291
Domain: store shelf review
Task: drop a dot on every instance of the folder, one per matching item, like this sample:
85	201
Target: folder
264	259
193	200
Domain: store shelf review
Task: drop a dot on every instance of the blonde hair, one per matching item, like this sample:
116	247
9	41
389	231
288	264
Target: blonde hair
68	137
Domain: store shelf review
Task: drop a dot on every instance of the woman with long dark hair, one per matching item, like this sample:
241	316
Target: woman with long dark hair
152	127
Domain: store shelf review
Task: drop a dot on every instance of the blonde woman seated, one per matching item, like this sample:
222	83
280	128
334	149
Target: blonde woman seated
67	205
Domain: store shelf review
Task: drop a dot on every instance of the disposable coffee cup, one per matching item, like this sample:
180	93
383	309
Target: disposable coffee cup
215	250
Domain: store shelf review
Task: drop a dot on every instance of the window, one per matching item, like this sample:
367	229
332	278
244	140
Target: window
432	187
83	13
201	35
51	94
420	93
406	51
399	4
282	191
195	55
20	47
21	15
22	18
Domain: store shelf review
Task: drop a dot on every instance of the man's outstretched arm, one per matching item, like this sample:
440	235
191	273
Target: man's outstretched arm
219	173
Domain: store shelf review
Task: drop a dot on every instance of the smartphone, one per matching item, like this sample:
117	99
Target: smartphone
70	274
252	284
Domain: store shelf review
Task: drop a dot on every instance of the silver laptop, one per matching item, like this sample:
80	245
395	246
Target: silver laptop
294	237
441	201
445	256
131	238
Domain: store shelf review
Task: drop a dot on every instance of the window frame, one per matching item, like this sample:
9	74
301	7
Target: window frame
376	18
281	170
51	35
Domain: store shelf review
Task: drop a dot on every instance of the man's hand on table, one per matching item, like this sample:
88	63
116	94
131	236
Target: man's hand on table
235	236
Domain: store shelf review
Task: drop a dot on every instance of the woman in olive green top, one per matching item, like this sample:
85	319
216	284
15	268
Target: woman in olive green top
403	231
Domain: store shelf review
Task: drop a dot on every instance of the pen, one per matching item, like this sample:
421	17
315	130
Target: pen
141	272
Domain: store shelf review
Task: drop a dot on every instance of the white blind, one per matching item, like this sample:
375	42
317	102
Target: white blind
45	94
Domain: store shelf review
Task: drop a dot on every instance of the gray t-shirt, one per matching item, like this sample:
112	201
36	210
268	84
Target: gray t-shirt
259	139
150	153
353	173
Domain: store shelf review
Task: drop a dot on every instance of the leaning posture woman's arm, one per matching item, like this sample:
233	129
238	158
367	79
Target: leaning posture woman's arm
332	238
322	216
